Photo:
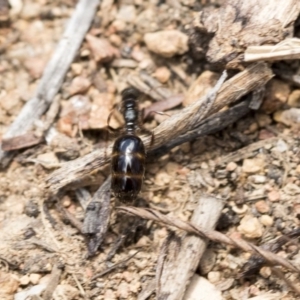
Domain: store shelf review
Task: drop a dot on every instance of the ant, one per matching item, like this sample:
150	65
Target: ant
128	153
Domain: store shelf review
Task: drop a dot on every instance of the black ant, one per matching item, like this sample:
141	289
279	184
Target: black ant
128	153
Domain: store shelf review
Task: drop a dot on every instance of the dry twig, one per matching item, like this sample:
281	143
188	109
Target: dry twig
54	73
150	214
254	77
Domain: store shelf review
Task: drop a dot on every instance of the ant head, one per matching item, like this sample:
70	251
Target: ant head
130	92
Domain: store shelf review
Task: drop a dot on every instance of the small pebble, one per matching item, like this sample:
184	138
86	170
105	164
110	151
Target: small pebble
281	146
240	210
294	99
66	201
263	120
252	128
101	49
258	179
201	289
76	68
277	93
34	278
172	168
186	147
214	276
265	272
208	261
200	87
298	169
35	66
291	189
110	294
115	40
30	10
79	85
119	25
265	134
162	74
167	43
204	165
262	206
162	178
126	13
274	196
135	286
123	290
250	227
288	117
143	242
266	220
9	284
127	276
253	165
24	280
231	166
48	158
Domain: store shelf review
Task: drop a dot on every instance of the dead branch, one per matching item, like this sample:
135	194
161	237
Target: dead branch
177	270
254	77
54	73
211	125
249	23
150	214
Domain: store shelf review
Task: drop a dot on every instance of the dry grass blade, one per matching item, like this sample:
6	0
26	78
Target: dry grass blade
252	78
213	235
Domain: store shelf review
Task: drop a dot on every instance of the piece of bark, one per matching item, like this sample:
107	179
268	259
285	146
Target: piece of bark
238	24
178	270
96	219
28	139
253	78
54	73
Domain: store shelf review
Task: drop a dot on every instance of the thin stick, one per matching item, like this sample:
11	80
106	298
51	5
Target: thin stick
177	270
54	73
212	235
254	77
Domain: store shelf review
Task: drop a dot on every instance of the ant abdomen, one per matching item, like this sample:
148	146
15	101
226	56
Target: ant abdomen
128	167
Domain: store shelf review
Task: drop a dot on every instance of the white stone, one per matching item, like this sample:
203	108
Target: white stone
201	289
